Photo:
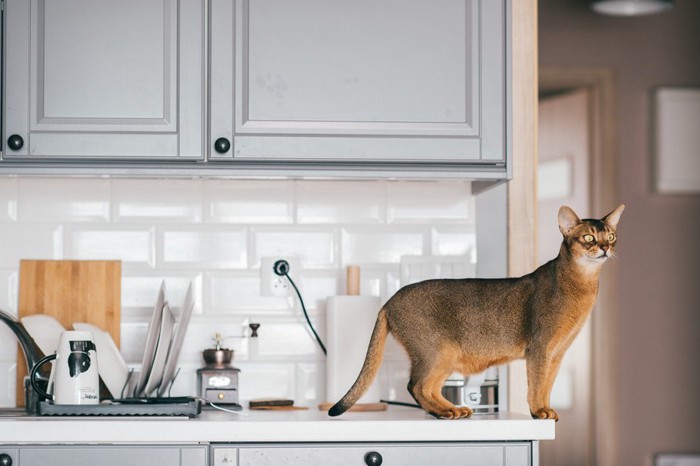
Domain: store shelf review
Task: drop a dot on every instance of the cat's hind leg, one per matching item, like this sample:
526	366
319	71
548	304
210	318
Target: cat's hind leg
426	384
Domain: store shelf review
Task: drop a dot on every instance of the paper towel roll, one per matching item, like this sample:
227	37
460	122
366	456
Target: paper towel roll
349	324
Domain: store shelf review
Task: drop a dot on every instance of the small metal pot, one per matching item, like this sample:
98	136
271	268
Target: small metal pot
217	357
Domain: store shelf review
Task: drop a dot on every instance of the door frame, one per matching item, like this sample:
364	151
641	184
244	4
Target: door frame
600	82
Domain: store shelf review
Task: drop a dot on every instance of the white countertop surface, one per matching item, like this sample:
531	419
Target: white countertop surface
397	424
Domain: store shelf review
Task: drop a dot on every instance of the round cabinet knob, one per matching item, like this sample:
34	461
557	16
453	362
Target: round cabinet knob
222	145
373	459
5	460
15	142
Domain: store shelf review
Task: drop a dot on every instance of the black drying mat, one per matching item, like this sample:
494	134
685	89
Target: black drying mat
180	406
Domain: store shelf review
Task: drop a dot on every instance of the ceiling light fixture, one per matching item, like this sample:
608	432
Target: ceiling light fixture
631	7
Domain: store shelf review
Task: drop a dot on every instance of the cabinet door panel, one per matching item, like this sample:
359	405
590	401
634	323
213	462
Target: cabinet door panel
114	75
339	61
103	68
359	81
112	456
483	455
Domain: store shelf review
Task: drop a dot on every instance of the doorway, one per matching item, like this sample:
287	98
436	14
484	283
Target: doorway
576	166
564	179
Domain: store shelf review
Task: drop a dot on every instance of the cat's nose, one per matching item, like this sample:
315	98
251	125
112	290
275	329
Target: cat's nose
605	249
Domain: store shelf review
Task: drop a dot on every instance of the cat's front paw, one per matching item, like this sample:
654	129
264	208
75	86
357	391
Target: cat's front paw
545	413
455	413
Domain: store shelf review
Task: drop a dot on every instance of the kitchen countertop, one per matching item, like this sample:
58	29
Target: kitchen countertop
395	424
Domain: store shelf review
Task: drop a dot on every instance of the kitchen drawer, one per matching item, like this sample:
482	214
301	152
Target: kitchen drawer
113	455
447	454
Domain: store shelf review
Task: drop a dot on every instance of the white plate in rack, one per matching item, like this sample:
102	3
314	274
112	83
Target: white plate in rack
45	330
166	335
149	351
176	344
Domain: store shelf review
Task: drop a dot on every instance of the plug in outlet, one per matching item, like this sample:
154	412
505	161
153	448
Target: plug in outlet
272	284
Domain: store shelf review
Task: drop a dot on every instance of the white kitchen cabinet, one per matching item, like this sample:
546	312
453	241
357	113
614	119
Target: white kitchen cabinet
397	81
95	79
329	454
446	454
108	455
402	436
258	87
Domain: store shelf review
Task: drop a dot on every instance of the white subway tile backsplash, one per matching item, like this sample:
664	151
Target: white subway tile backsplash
266	380
330	202
316	287
200	336
249	201
8	341
214	233
8	379
395	376
289	339
394	351
133	339
315	247
393	282
429	201
8	199
454	241
204	247
29	241
372	281
8	344
157	201
231	292
140	290
54	200
310	384
133	245
381	244
8	290
185	383
418	268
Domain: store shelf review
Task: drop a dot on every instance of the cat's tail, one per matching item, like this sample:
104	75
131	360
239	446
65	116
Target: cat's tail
375	353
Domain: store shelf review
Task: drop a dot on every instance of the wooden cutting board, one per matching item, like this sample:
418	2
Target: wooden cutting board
71	291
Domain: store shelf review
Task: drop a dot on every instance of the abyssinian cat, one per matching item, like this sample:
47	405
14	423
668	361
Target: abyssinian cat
467	325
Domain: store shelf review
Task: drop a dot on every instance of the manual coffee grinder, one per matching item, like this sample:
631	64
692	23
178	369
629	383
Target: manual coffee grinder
217	381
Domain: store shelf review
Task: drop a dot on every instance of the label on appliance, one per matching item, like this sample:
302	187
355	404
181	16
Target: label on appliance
218	381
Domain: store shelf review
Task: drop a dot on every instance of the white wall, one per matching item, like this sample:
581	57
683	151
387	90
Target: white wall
213	233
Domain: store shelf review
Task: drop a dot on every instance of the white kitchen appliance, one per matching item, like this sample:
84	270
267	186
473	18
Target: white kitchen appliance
76	378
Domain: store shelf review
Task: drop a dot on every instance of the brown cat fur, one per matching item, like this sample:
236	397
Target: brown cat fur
468	325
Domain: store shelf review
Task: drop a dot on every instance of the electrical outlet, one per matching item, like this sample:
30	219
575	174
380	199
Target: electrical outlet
272	284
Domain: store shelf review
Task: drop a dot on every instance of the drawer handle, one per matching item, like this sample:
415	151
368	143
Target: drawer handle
15	142
222	145
373	458
5	460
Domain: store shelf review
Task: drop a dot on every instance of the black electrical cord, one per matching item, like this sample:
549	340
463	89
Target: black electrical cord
281	268
303	308
401	403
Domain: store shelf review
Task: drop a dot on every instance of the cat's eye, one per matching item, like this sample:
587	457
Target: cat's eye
611	237
588	238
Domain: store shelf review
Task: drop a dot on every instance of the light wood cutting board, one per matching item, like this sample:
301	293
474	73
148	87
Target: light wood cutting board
71	291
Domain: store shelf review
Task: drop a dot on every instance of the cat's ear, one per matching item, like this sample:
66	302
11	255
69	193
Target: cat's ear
567	220
613	217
